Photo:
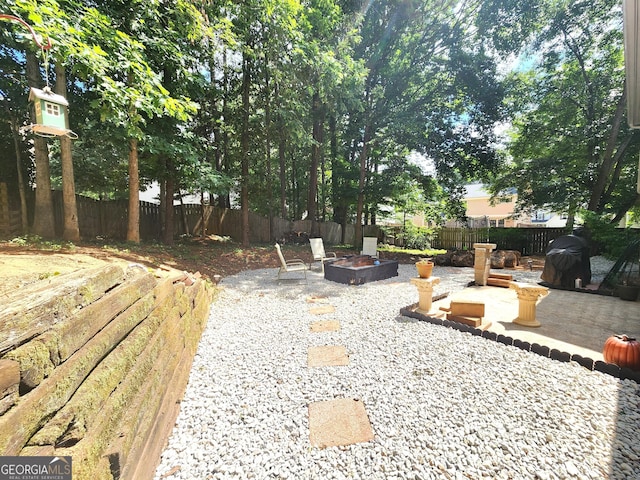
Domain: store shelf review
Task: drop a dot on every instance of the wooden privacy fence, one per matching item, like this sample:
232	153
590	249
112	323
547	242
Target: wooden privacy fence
10	221
108	219
228	222
528	241
460	238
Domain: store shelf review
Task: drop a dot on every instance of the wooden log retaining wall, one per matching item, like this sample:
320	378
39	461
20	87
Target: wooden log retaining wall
93	365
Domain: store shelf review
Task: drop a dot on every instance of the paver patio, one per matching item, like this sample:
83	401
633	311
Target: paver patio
573	322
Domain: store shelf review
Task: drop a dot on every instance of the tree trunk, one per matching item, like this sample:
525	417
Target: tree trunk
316	115
133	223
244	141
163	208
15	132
167	239
363	165
224	201
183	214
203	225
267	141
338	200
282	151
43	215
597	200
71	231
295	191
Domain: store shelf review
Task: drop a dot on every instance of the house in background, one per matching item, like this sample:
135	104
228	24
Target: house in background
481	213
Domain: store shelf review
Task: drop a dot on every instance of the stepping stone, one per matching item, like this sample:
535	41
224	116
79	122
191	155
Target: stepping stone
325	326
322	310
342	421
317	299
327	356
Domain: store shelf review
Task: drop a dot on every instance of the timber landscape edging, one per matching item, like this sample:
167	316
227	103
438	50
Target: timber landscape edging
93	365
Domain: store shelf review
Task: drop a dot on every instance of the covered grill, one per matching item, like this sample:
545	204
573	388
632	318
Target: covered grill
567	259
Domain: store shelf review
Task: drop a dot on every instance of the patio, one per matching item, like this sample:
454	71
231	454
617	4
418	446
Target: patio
573	322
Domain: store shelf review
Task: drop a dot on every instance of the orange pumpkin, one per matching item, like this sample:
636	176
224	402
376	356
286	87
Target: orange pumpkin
622	351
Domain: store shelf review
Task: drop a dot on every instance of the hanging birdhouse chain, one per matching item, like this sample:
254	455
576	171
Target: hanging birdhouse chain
45	63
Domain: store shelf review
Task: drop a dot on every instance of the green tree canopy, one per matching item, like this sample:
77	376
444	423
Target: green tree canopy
570	147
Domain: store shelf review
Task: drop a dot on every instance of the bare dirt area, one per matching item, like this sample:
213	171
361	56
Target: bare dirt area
23	263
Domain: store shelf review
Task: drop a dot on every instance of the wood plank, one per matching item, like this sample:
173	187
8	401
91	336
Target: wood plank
498	282
38	451
473	321
163	289
39	357
144	455
21	422
502	276
9	374
90	320
34	310
11	397
467	308
106	426
140	455
130	335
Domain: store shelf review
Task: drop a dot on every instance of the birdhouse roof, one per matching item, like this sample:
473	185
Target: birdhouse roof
48	95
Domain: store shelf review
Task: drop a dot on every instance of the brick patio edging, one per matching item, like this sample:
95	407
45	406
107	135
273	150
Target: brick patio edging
552	353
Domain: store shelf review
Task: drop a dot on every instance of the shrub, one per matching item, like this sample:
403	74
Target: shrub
610	240
418	238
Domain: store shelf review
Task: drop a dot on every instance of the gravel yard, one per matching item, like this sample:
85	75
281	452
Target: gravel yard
442	403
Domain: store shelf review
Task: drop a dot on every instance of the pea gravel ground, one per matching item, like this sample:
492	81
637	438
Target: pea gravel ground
442	404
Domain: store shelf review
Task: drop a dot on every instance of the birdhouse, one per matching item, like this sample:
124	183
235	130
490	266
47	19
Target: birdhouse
51	112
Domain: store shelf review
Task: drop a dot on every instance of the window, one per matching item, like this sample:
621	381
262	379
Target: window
501	223
541	216
52	109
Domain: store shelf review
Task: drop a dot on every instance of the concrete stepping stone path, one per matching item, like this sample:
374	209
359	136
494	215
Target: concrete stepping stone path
317	299
340	421
322	310
327	356
325	326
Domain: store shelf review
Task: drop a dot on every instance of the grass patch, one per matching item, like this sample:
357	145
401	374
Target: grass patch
428	252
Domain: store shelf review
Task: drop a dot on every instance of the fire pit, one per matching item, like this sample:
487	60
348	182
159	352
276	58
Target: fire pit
359	269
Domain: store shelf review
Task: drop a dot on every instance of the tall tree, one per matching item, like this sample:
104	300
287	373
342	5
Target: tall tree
430	87
13	98
244	150
570	146
71	230
43	224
